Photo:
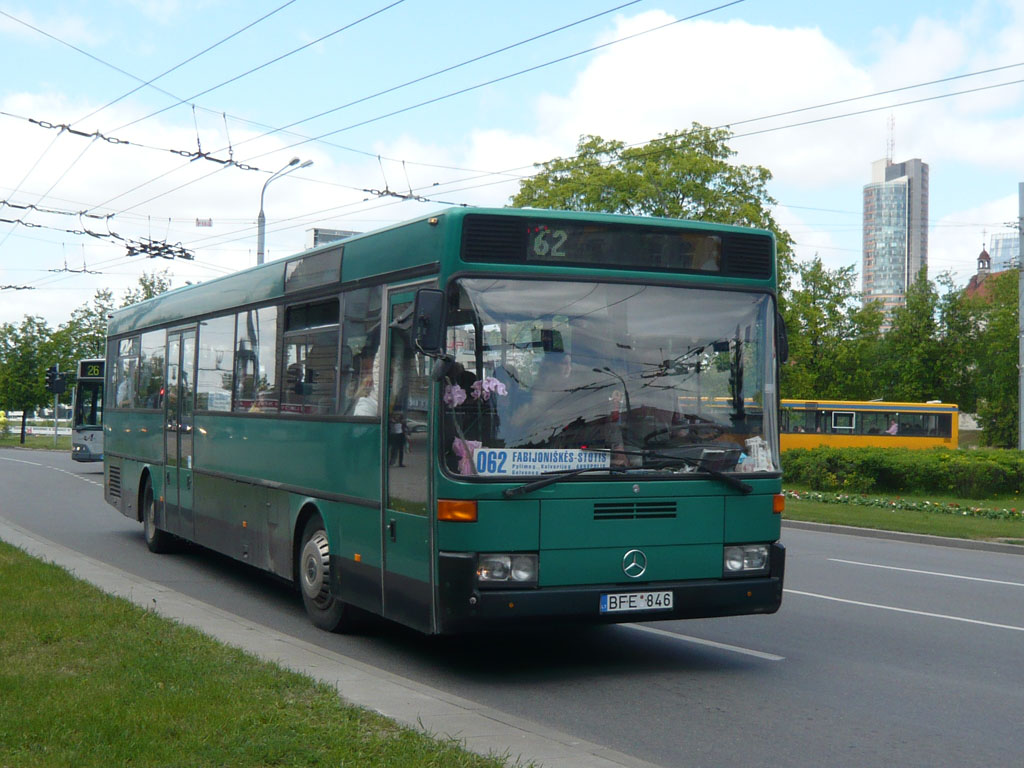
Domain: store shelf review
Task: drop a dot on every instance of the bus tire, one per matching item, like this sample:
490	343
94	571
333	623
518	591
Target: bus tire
157	540
324	609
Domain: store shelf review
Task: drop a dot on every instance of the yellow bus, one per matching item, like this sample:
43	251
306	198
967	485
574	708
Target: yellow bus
843	424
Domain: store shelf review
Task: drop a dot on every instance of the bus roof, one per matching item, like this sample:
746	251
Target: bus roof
367	256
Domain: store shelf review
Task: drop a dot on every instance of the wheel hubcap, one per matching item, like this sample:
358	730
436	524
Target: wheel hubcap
316	569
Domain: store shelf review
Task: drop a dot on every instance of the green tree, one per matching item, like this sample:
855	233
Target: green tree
929	351
833	338
84	334
150	285
910	348
996	353
25	354
960	323
685	175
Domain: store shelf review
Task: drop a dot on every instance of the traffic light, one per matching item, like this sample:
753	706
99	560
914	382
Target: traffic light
56	382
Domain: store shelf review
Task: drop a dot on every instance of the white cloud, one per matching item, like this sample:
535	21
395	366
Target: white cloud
67	27
705	71
717	73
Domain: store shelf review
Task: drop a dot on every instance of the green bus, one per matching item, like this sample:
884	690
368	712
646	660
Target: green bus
476	419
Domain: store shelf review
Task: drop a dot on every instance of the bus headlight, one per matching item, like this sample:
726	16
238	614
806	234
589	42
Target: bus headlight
506	570
745	560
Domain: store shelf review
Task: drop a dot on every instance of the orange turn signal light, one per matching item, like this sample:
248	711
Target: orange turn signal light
778	504
456	510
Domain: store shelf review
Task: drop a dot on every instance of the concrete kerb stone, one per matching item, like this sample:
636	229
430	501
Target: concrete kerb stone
477	727
914	538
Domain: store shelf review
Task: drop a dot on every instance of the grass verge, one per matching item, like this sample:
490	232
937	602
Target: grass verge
91	680
44	442
966	520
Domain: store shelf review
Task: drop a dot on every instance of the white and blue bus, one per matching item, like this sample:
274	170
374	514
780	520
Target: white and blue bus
87	418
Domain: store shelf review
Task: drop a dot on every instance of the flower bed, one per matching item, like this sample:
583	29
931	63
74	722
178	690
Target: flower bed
863	500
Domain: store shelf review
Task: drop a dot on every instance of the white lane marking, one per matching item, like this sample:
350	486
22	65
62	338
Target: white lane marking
55	469
929	573
22	461
905	610
710	643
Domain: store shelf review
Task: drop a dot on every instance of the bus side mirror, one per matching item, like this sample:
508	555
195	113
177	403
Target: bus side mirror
429	321
781	338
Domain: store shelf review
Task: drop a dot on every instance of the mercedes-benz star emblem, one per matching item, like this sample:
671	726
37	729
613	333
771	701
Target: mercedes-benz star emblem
634	563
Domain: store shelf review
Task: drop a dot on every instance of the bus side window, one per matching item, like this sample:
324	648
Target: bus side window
360	371
256	360
126	372
310	358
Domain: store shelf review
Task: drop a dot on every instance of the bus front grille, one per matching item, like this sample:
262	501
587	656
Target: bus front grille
634	510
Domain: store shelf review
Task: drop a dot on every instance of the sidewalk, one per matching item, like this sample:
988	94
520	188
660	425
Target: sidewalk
479	728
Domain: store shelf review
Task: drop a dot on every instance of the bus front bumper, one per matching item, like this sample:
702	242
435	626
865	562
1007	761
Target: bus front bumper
80	452
464	607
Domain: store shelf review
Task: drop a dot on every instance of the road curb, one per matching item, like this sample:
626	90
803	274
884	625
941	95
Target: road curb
478	728
914	538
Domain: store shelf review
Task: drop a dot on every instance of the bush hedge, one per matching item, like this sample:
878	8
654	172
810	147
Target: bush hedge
965	474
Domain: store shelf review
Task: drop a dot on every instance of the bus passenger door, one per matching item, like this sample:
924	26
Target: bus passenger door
407	530
178	438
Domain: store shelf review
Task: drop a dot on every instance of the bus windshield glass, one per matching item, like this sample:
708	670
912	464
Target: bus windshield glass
552	375
89	404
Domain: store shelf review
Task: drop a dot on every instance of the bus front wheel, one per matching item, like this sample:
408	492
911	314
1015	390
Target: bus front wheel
157	540
324	609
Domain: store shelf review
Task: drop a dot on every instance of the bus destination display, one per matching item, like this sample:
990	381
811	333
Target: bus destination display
567	242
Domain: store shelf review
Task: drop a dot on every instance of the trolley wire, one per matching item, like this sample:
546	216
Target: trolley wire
266	64
181	64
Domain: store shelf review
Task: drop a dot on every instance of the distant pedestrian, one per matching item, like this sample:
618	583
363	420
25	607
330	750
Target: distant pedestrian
398	429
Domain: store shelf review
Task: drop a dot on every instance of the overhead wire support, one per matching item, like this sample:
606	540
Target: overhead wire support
146	247
411	196
83	271
197	154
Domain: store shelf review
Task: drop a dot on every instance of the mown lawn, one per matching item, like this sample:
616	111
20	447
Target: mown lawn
965	521
91	680
44	442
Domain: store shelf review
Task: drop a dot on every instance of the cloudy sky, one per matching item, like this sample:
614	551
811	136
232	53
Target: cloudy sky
119	117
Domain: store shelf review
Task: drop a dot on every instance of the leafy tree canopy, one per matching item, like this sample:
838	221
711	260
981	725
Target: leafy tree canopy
683	175
150	285
832	335
25	354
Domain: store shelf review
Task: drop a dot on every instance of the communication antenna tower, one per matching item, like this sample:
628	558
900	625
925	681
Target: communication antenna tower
890	142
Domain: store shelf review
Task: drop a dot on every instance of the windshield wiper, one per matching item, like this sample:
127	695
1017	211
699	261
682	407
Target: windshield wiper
665	461
555	477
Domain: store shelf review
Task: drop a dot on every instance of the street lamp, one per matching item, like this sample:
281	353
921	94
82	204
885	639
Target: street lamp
625	389
261	221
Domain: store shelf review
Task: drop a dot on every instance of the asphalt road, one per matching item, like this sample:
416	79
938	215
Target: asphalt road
883	653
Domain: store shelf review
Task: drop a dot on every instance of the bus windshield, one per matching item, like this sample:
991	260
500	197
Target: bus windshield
554	375
88	404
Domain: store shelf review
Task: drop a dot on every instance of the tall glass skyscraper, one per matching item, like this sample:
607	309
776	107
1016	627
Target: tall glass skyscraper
895	231
1004	248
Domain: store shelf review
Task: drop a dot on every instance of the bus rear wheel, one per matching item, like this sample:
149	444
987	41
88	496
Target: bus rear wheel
157	540
324	609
